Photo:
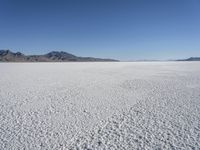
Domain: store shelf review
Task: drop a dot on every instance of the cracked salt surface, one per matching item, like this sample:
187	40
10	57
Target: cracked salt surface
140	105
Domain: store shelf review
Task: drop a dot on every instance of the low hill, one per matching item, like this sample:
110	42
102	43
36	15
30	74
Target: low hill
54	56
191	59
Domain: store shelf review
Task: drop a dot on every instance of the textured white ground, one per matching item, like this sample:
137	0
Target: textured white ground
138	105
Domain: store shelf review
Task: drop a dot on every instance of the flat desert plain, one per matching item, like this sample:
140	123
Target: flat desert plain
105	105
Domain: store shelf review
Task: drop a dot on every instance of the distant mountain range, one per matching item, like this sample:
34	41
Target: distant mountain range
57	56
190	59
54	56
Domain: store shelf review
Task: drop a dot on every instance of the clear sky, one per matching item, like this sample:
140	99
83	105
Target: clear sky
121	29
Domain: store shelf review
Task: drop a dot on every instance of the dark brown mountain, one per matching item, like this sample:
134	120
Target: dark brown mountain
54	56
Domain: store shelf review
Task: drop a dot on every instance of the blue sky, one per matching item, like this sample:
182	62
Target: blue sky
121	29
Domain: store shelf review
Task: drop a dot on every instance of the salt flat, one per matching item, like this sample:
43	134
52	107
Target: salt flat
108	105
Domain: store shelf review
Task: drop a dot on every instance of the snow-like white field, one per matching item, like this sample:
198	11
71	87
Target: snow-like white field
108	105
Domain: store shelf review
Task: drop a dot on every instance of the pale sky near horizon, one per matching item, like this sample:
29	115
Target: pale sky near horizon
120	29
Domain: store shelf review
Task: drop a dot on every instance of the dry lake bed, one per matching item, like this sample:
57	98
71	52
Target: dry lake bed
107	105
